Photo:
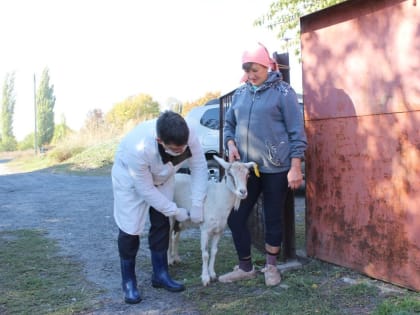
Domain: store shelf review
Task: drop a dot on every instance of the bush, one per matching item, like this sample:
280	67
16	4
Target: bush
62	153
8	144
61	131
26	143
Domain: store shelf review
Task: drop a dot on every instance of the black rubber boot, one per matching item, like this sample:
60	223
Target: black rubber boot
129	281
161	277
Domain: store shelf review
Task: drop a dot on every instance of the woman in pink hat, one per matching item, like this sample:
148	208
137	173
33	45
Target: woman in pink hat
263	125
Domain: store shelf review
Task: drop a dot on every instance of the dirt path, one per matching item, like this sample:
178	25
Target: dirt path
77	212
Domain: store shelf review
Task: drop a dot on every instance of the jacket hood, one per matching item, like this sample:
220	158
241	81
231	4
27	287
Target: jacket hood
273	78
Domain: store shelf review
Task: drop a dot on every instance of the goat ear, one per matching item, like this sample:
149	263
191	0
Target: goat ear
222	162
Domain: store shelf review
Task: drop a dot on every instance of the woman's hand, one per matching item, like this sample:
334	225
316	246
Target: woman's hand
295	177
233	152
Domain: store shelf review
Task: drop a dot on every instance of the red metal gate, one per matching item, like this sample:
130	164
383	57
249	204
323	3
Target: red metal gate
361	84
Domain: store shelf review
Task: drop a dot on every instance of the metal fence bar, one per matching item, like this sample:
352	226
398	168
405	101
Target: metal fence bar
225	101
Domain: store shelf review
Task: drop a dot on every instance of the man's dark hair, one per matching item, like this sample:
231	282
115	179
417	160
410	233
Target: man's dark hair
171	128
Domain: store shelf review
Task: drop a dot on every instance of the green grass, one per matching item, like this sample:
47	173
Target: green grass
93	160
316	288
36	280
25	161
399	306
96	160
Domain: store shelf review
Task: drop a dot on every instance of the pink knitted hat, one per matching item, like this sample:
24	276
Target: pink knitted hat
258	54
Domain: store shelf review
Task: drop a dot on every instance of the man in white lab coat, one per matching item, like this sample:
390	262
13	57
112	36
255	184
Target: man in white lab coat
143	184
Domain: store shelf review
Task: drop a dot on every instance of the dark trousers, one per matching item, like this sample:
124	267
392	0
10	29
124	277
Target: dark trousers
274	189
128	245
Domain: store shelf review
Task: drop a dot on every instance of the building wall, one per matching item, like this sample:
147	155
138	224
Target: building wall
361	86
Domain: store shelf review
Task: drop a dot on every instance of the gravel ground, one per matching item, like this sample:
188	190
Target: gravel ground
77	212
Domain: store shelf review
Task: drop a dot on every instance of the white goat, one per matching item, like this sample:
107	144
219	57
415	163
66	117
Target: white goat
221	198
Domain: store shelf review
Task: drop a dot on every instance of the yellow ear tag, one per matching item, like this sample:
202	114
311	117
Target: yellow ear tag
256	170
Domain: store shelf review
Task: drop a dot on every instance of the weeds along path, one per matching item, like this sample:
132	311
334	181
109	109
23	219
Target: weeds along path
76	211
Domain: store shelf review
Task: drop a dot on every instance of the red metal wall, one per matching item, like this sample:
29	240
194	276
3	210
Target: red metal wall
361	84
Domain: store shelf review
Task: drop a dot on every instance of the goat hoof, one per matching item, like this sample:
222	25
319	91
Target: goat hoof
205	281
174	261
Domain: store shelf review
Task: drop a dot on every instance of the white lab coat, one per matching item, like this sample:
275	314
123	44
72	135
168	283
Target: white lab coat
140	179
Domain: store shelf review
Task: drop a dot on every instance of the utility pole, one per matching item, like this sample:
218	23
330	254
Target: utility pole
35	131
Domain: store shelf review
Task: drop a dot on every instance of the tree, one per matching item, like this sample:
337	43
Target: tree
26	143
61	131
94	120
45	101
8	141
136	108
187	106
283	17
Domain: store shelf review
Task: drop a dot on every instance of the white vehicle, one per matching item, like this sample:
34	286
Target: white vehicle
205	120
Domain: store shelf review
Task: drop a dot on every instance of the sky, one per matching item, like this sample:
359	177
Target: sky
99	52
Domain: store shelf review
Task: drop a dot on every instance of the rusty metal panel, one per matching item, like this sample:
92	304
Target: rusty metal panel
370	54
361	84
363	193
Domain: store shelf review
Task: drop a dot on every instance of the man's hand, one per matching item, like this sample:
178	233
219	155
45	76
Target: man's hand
196	214
182	215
